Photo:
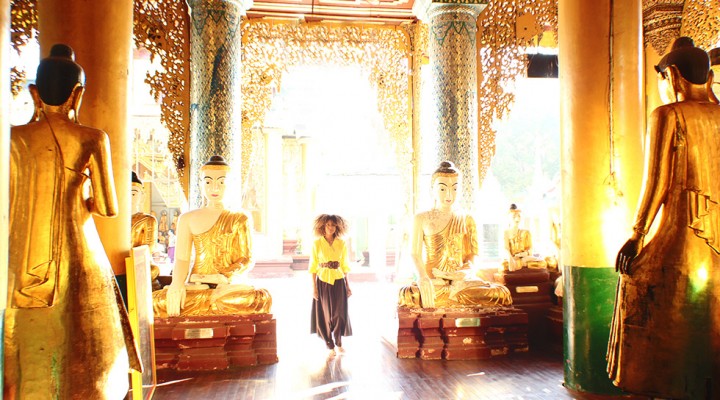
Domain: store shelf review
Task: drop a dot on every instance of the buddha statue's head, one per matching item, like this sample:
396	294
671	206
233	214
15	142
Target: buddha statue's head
137	193
60	80
682	68
515	215
445	184
212	185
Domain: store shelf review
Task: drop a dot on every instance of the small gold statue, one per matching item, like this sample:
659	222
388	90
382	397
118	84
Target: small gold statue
518	243
665	332
222	241
143	227
67	334
444	244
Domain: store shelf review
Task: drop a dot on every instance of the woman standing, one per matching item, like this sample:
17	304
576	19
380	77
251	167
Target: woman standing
329	268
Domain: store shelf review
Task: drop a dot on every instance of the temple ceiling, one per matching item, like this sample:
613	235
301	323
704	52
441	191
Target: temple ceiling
380	11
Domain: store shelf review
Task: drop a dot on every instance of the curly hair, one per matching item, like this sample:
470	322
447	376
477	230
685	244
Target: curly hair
322	219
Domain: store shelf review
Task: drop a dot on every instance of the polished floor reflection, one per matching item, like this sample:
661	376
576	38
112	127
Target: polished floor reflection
368	369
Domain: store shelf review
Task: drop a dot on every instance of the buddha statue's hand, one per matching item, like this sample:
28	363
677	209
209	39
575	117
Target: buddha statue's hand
450	276
627	254
427	292
175	299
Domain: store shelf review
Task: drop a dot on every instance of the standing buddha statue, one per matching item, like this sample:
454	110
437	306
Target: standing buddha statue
67	335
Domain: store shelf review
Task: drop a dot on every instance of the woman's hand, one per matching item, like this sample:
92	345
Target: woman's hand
349	291
315	292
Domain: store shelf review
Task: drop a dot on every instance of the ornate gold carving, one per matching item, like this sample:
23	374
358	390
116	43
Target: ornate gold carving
502	60
161	26
269	48
661	22
418	33
701	21
23	30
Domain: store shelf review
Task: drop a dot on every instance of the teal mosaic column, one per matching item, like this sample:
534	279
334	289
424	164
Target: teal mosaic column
453	62
216	75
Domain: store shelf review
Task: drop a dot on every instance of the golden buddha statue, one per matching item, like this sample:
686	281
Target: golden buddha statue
444	244
665	332
518	243
67	334
222	242
143	227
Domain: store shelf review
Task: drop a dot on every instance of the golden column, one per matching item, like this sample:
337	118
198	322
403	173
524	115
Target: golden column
215	97
100	32
453	61
4	150
601	97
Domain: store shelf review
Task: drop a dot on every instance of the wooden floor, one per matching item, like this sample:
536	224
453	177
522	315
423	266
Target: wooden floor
369	368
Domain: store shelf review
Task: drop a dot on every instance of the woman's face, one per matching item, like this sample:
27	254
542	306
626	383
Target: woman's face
330	229
445	191
213	184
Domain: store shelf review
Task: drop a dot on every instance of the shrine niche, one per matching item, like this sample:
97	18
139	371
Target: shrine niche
270	48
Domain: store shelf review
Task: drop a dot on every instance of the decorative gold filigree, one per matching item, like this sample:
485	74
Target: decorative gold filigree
161	26
662	21
701	21
418	33
23	30
269	48
503	60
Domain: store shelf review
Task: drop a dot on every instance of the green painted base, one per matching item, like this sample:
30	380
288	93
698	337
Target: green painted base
588	307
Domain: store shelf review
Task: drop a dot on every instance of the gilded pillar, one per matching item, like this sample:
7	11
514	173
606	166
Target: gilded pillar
100	32
4	153
273	206
715	66
601	96
215	97
453	134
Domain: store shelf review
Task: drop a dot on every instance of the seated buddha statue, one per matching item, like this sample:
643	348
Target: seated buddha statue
214	283
518	243
444	244
143	227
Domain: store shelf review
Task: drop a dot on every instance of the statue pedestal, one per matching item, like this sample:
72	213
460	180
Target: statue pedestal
532	291
461	334
215	342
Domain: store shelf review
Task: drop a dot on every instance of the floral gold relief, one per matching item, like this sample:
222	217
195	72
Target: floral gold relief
161	27
269	48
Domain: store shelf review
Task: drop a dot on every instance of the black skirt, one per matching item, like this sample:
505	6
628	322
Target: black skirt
329	317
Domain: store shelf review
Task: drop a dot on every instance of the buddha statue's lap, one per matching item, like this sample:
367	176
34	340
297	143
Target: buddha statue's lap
228	300
444	245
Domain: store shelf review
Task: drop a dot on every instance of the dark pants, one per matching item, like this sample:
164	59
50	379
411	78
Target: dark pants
329	317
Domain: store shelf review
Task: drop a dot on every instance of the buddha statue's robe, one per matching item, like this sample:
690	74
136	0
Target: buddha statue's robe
224	250
448	252
67	334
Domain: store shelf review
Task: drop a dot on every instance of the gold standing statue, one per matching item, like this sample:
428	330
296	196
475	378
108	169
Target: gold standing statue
222	242
518	243
143	227
66	330
665	333
444	245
